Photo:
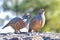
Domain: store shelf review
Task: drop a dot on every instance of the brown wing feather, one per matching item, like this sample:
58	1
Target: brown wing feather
18	25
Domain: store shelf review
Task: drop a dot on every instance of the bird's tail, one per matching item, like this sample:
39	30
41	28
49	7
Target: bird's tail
5	26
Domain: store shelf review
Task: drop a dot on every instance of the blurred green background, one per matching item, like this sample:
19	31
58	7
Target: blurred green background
52	8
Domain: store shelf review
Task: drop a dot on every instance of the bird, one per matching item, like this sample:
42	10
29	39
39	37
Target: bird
18	23
37	22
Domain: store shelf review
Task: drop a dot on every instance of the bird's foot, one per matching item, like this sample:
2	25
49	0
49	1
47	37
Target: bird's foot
17	32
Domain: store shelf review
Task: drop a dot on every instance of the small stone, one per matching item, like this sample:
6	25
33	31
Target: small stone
37	37
13	39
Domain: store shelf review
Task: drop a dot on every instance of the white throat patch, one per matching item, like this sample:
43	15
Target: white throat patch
25	20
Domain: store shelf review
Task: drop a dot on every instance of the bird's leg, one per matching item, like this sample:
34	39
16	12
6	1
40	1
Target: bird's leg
16	31
19	31
37	32
29	30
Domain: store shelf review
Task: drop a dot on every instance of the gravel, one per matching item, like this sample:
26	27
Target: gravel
30	36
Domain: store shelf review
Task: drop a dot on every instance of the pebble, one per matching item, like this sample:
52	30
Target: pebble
30	36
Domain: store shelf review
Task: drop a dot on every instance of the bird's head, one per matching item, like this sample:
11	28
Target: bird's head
26	16
42	11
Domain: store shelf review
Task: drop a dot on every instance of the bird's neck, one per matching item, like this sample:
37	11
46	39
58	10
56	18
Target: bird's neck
41	14
26	20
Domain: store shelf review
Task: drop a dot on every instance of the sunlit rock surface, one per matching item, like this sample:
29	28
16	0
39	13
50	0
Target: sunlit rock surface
30	36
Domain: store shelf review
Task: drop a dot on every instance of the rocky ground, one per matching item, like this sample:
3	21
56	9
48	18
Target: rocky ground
30	36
